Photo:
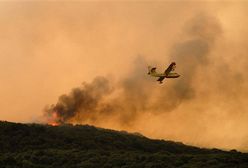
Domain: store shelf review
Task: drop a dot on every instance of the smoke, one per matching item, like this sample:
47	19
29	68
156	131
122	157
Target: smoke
83	103
205	106
95	101
136	93
192	54
48	48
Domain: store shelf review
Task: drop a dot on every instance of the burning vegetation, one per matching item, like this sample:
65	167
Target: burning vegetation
81	104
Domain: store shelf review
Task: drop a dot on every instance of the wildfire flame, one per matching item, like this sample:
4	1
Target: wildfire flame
53	124
53	120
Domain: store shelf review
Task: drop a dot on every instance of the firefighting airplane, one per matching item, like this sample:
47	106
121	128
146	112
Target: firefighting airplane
167	73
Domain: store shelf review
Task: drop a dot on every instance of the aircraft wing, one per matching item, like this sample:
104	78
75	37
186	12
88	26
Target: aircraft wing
171	67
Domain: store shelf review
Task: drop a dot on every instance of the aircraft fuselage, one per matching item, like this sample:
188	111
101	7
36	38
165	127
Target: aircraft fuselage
170	75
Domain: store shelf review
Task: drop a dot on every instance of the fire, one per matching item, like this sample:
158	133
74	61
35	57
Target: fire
53	124
53	120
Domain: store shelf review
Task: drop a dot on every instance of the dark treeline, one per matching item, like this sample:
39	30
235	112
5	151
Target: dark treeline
44	146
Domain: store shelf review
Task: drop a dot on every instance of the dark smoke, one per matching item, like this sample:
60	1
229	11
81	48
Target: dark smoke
82	103
137	94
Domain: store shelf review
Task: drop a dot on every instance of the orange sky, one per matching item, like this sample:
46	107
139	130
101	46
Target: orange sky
47	48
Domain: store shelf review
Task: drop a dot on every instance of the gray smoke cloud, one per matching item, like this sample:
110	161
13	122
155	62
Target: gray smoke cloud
192	54
82	103
137	94
202	107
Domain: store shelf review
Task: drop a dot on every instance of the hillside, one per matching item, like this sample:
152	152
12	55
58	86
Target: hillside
67	146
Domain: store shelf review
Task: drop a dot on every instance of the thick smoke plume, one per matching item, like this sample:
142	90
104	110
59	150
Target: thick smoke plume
137	103
83	103
136	93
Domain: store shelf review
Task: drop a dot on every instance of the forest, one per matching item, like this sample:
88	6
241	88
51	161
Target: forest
84	146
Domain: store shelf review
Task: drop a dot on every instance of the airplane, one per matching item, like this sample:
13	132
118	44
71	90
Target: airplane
167	73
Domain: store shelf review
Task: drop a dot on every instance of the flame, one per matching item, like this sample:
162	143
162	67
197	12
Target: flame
53	120
53	124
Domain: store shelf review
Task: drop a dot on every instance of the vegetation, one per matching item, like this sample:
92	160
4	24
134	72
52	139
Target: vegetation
67	146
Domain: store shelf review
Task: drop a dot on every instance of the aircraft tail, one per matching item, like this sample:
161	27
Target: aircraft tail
149	70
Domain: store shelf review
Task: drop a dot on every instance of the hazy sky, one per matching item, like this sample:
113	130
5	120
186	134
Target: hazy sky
48	48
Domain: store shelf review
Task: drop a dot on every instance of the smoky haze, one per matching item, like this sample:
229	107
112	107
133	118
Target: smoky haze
137	95
49	48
